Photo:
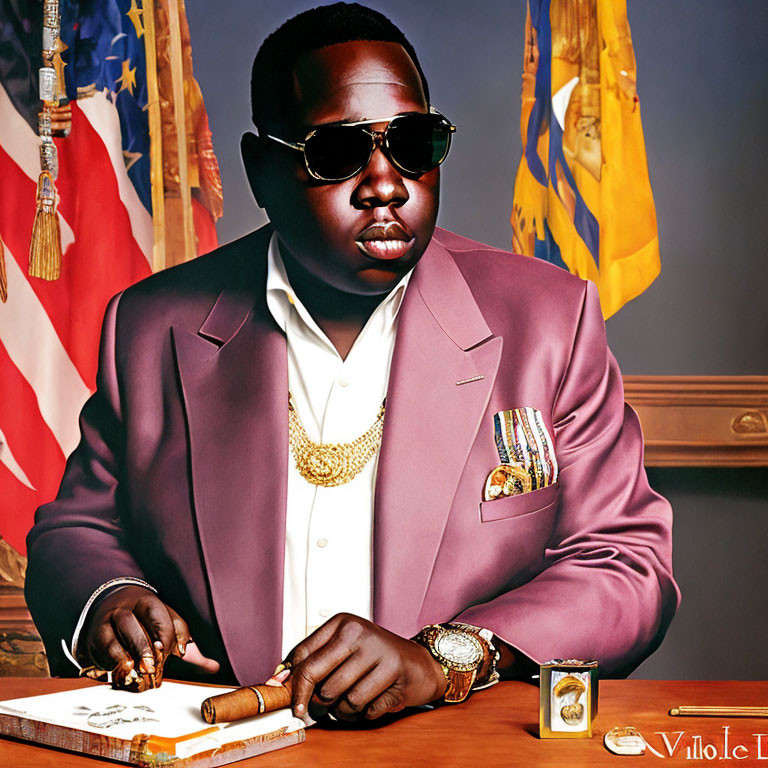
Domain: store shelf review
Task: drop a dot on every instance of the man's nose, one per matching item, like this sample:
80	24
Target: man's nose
379	183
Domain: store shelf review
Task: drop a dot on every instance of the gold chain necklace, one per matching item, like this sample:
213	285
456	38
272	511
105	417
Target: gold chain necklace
330	464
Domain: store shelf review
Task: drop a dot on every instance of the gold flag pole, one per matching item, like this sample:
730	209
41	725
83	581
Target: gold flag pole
155	137
179	148
180	114
3	275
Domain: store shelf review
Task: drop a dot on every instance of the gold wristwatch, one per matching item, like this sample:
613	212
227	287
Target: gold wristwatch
461	650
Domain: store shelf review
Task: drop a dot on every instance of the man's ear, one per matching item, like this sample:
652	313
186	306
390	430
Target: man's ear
252	152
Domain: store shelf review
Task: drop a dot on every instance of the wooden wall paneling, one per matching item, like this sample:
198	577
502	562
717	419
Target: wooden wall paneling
702	421
21	649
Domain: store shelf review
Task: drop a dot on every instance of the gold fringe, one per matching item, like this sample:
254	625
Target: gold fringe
3	275
45	247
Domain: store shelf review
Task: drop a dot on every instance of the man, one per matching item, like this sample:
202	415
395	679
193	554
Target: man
350	426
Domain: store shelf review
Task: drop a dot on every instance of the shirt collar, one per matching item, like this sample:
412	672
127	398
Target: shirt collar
282	300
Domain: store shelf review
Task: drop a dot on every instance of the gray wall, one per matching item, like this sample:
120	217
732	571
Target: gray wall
703	84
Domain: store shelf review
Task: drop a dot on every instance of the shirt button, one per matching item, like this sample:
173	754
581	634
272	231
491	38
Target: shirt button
324	612
344	381
322	543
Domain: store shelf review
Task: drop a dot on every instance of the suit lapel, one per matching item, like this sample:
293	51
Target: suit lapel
234	378
430	426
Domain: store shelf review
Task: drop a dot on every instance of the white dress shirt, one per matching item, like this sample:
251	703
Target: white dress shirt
329	531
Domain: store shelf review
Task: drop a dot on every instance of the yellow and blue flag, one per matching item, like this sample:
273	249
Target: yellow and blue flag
583	197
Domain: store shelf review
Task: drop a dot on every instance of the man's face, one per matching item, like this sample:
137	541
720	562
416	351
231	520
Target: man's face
334	231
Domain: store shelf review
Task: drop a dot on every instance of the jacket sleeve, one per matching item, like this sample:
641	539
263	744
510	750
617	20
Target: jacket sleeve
607	592
77	542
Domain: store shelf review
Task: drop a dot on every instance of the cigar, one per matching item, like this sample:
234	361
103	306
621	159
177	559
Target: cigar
246	702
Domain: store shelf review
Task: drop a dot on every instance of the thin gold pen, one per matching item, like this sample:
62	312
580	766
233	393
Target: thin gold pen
719	712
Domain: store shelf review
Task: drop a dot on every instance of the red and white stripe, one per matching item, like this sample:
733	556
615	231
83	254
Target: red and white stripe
103	117
49	330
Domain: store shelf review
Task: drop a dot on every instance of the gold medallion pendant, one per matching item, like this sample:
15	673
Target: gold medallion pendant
331	464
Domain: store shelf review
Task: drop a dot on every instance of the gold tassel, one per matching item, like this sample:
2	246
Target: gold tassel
45	247
3	275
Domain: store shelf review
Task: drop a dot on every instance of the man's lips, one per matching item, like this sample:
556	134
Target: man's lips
385	240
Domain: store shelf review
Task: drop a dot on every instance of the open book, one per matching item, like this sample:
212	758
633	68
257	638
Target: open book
159	727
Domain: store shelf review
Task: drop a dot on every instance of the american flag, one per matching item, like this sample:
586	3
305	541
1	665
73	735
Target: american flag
49	331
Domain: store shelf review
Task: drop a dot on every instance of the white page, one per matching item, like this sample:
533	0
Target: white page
171	710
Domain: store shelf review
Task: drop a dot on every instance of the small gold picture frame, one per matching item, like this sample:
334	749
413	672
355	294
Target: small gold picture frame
567	699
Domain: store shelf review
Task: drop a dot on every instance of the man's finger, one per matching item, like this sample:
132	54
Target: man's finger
318	665
105	650
391	700
316	640
134	639
181	631
367	690
344	677
193	656
156	622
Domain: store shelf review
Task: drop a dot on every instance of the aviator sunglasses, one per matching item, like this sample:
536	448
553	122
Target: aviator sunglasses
414	143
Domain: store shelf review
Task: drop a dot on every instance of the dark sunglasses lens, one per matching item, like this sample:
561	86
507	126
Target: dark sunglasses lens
419	143
336	152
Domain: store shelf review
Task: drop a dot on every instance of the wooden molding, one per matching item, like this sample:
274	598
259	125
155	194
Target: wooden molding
702	421
21	650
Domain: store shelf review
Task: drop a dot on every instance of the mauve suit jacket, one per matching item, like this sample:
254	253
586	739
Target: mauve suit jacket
180	477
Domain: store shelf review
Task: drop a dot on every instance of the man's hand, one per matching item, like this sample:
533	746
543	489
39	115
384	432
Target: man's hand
357	669
131	628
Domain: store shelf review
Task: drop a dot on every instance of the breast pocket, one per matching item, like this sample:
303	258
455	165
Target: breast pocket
515	506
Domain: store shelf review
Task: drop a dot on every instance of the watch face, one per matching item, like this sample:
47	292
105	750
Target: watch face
459	649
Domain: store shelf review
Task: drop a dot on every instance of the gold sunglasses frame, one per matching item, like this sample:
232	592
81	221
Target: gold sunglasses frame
379	139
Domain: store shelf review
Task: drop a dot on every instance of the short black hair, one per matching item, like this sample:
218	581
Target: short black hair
272	72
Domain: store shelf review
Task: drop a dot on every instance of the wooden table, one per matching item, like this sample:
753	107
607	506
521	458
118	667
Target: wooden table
497	727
